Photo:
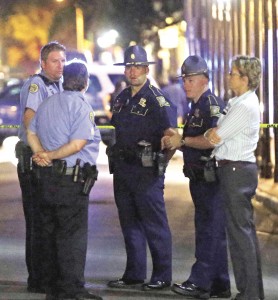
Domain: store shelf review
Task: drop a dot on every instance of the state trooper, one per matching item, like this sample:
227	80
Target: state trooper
209	275
141	117
65	141
35	90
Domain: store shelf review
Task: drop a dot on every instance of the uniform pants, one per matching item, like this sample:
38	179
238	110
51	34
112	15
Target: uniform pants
210	271
239	182
140	202
64	217
33	234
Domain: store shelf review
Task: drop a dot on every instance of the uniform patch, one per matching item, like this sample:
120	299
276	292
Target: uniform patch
214	110
92	117
162	101
33	88
142	102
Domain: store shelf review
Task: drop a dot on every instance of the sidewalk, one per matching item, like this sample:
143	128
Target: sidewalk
267	199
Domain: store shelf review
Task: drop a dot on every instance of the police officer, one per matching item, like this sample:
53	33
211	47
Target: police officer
37	88
209	275
141	116
65	140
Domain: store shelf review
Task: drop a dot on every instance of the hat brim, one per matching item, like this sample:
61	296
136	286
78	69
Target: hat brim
205	73
135	63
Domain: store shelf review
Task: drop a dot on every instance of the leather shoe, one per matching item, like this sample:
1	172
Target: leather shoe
124	283
191	290
220	294
156	285
87	295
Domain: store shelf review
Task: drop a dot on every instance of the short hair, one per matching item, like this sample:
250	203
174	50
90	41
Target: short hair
51	46
75	75
248	66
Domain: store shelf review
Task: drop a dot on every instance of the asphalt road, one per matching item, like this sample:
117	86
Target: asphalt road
106	253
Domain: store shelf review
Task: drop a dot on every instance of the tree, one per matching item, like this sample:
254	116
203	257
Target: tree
24	33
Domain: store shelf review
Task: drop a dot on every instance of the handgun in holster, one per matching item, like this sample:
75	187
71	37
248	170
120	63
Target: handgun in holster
162	162
24	155
209	168
90	174
189	173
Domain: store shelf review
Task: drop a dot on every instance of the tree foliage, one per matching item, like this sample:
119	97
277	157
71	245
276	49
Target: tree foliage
25	26
24	33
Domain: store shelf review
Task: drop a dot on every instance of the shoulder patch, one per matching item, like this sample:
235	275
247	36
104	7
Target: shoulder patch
33	88
162	101
214	111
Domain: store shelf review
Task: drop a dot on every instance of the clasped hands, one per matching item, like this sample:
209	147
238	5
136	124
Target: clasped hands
171	142
42	159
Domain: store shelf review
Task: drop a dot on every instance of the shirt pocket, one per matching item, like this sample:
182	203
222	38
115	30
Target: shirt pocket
139	110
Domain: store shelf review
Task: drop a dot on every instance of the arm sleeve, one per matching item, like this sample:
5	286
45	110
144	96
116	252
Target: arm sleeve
233	122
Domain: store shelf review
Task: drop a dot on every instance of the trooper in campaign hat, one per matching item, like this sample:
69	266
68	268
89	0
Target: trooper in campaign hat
209	275
135	55
194	65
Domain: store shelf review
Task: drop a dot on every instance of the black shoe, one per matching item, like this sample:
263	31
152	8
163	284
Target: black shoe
87	295
221	294
124	283
157	285
191	290
36	290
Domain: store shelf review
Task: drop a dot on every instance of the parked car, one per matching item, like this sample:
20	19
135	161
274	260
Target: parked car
102	82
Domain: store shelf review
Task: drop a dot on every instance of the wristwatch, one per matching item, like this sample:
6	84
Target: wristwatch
182	142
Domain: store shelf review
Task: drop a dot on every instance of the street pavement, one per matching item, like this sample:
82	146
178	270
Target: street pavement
106	253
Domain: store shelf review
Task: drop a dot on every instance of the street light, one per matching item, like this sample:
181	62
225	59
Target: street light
79	21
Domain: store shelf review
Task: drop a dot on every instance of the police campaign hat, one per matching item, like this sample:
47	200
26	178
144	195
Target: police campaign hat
135	55
194	65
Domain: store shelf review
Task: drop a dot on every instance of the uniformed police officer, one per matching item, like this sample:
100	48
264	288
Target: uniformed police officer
35	90
141	116
209	275
65	140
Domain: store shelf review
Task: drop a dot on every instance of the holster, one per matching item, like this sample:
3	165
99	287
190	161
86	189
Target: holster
162	162
24	155
210	170
90	174
205	171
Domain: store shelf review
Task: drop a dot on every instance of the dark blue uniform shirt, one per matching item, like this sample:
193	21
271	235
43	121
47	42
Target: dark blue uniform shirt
203	115
142	117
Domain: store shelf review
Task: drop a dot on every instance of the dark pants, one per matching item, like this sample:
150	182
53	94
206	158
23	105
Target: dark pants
239	182
140	202
64	217
33	234
210	271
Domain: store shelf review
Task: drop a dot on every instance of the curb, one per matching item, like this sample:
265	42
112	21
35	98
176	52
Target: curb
269	201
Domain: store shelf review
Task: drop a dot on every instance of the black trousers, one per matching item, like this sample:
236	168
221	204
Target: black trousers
239	181
64	219
33	233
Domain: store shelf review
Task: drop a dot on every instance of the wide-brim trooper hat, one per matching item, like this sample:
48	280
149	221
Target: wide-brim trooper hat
194	65
135	55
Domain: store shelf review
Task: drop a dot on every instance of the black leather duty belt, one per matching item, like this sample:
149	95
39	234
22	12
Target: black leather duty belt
224	162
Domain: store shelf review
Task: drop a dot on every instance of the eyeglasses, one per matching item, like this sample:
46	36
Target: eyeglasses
234	74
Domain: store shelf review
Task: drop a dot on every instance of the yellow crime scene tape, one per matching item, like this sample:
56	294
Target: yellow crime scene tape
262	125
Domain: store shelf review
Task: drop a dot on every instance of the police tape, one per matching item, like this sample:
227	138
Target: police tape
262	125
